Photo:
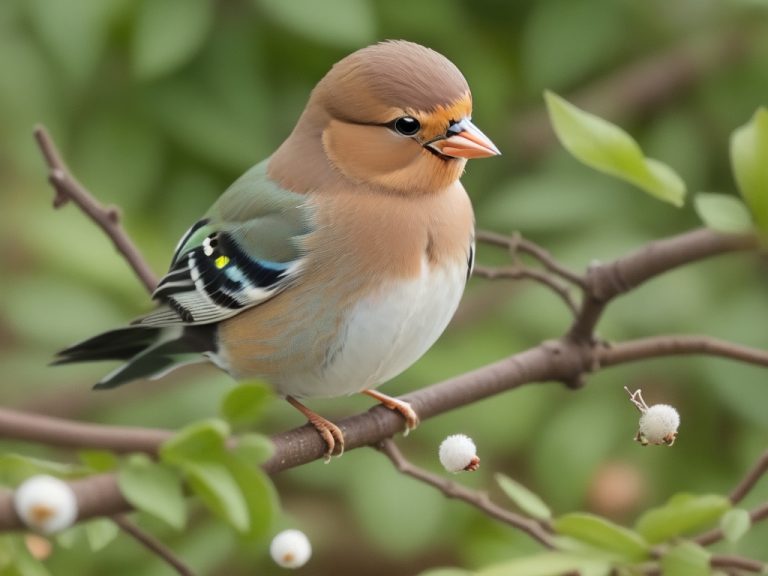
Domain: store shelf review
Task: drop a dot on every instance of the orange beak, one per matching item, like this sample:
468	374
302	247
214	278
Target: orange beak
464	140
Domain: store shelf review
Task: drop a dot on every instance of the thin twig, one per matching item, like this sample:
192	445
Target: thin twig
106	217
523	272
750	479
756	515
479	500
516	243
738	562
607	281
678	345
153	545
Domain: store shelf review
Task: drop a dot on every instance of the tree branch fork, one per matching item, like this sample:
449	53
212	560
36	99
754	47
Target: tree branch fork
568	359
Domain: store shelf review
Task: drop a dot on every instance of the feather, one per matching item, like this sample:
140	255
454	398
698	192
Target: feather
242	253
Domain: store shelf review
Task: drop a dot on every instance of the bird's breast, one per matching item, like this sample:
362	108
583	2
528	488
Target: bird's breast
382	279
388	330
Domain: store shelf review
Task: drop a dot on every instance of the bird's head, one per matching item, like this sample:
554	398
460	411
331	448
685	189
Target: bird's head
395	116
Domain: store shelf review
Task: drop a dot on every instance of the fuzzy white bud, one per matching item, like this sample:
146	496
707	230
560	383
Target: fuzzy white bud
45	504
659	424
290	549
457	453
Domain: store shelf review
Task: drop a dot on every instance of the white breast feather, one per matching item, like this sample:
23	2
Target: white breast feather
386	333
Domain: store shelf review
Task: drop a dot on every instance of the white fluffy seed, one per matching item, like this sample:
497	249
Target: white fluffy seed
457	453
659	424
290	549
45	504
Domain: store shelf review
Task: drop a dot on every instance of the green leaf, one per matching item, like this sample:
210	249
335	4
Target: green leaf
69	537
735	523
603	534
99	460
446	572
16	560
686	559
607	148
749	150
153	488
218	489
15	468
200	440
259	493
168	34
523	498
682	514
723	213
100	533
245	404
346	23
547	564
254	448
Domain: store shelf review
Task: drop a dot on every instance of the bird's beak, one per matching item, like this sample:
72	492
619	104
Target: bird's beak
464	140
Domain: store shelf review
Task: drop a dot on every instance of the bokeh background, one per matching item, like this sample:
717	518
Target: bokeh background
159	104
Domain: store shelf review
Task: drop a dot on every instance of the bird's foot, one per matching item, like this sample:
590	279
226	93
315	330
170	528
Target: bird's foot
405	409
329	432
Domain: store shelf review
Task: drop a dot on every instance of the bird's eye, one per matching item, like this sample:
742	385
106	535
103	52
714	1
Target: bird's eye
407	126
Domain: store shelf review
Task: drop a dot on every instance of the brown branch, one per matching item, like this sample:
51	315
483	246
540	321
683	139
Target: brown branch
554	360
106	217
523	272
756	515
153	545
516	243
479	500
69	434
738	562
750	479
678	345
607	281
722	561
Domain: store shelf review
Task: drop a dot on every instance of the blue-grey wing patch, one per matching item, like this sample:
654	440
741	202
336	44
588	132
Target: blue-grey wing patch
215	280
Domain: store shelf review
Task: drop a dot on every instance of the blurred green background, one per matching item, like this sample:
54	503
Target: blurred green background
159	104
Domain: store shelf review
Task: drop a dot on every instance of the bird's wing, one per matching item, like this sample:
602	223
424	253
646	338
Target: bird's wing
242	253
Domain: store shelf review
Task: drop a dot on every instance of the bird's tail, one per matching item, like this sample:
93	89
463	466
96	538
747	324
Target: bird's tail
148	352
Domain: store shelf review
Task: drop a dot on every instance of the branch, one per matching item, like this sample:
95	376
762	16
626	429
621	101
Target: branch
555	360
733	561
153	545
520	272
28	427
106	217
479	500
607	281
750	479
516	243
708	538
678	345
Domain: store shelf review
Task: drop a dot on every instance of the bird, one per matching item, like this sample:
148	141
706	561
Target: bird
334	264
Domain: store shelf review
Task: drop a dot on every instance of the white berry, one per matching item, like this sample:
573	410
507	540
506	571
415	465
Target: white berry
458	452
290	549
45	504
659	424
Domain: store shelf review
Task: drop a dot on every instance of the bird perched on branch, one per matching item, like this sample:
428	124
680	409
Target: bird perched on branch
334	264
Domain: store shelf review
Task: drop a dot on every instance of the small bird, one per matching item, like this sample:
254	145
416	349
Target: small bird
333	265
